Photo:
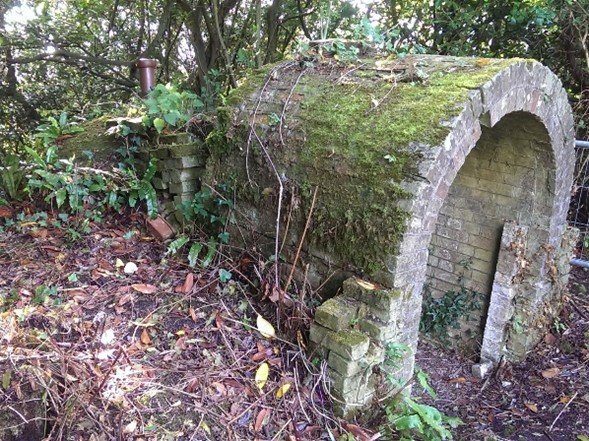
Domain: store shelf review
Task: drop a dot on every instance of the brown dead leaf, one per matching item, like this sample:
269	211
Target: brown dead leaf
459	380
564	399
145	338
262	355
549	339
359	433
551	372
144	288
220	388
188	283
6	211
192	313
262	419
533	407
219	321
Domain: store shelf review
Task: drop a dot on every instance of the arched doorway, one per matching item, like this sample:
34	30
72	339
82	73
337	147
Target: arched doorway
509	176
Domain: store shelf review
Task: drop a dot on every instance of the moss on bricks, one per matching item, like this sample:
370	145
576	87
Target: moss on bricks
345	367
336	314
349	344
349	134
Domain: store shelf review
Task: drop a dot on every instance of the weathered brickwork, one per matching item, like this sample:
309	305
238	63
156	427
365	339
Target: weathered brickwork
505	177
352	330
504	170
181	163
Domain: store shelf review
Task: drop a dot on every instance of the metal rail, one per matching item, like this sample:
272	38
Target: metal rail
579	210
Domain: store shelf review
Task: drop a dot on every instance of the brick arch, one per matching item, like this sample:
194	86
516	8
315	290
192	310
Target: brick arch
527	92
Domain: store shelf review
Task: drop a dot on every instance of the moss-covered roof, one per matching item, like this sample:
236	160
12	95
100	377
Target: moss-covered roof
348	130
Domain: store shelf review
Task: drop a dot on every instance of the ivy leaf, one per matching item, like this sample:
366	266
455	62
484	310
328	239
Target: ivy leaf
159	124
423	380
224	275
176	244
212	249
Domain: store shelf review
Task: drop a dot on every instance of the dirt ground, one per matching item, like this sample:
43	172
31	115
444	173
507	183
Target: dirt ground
546	398
169	352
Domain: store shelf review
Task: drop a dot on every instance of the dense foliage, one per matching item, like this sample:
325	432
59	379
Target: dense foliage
79	56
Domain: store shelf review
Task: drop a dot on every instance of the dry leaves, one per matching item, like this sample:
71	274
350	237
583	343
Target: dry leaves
144	288
551	372
262	375
265	327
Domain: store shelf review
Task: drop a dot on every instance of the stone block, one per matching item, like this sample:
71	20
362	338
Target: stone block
377	329
319	334
160	153
336	314
343	366
175	138
349	344
183	197
159	228
187	174
159	184
185	187
183	162
193	149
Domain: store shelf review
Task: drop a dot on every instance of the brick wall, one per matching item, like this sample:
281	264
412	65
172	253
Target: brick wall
505	177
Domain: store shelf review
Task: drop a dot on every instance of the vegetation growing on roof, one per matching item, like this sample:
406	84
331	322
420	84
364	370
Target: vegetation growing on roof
351	136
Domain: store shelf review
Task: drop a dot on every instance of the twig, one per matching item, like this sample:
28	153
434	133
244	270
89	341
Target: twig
283	115
107	375
562	411
281	430
19	414
299	248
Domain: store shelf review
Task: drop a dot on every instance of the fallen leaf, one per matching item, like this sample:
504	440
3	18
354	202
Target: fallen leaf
145	338
261	419
220	387
219	321
265	327
130	268
107	337
144	288
130	428
119	263
551	372
459	380
204	426
188	283
549	339
532	407
262	375
282	390
192	313
564	399
359	433
262	355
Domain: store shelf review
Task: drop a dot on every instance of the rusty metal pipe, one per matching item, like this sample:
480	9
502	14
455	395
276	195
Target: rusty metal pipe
146	67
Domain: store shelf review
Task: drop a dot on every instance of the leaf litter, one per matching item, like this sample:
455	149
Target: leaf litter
163	352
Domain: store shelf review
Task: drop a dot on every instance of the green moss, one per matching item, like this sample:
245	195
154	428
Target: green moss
93	138
250	85
352	140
